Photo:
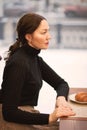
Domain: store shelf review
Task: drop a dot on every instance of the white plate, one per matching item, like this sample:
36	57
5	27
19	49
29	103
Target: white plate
72	98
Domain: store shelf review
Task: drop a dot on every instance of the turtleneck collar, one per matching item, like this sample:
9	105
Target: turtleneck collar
31	50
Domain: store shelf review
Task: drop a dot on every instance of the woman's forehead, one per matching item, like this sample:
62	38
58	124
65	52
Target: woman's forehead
43	25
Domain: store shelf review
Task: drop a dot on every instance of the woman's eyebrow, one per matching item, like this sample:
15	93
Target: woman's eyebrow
45	29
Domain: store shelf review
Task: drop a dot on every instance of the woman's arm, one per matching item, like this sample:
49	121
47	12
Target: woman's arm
62	106
13	81
52	78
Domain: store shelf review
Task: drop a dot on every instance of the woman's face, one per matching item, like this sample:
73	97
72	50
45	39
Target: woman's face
39	39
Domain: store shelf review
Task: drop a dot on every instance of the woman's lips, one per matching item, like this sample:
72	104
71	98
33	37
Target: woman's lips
47	43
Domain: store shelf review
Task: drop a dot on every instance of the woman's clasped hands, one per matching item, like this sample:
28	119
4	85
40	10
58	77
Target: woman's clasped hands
62	109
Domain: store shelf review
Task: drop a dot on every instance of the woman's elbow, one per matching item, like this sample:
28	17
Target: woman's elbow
7	116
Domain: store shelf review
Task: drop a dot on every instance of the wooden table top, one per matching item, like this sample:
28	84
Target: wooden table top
75	90
80	109
79	121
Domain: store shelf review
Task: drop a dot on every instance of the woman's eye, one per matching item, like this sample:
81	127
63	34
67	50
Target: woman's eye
43	32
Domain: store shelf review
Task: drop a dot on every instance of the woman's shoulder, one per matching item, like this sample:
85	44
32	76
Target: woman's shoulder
19	57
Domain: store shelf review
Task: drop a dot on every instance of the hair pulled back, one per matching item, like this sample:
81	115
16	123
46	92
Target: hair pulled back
28	23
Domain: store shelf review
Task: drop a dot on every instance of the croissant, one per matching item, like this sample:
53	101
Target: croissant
81	97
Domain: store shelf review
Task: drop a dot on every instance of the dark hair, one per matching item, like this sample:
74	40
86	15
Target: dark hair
26	24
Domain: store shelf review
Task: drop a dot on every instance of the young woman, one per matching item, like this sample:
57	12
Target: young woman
24	72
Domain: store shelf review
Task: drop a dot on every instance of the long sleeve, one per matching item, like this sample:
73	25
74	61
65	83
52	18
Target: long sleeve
22	81
13	81
52	78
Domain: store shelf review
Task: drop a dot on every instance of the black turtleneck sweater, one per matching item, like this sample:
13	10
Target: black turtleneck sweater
22	81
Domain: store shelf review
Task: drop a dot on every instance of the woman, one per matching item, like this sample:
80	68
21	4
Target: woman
24	72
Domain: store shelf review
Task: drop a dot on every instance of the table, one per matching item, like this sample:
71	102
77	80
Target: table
78	122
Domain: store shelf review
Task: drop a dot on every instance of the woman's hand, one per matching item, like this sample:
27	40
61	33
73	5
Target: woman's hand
61	101
62	109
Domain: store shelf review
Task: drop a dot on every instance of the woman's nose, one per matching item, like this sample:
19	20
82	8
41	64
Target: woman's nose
49	36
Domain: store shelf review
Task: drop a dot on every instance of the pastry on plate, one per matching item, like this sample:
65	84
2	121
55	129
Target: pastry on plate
81	97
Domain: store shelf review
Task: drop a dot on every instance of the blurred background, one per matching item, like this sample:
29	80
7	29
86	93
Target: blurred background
67	19
67	52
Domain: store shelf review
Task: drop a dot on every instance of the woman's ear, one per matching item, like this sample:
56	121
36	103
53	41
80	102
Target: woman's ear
28	37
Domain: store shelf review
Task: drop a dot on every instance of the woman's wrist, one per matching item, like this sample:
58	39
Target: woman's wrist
60	101
52	118
61	98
